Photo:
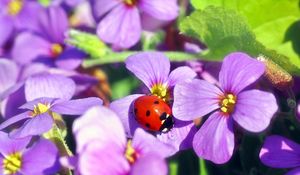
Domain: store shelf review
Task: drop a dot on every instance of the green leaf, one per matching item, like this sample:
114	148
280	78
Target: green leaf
89	43
277	31
227	32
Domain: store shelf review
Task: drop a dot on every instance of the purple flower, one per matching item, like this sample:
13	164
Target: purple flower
17	15
279	152
251	109
47	95
17	158
153	69
123	20
101	141
47	46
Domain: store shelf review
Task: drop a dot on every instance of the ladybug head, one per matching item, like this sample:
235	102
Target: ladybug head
168	122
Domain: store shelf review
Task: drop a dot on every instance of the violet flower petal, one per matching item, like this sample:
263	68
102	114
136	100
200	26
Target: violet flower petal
9	146
144	143
149	164
110	158
124	109
102	7
163	10
215	139
29	47
195	99
76	107
180	74
180	136
121	27
53	24
70	59
280	152
239	71
52	86
9	72
294	172
254	110
6	29
150	67
101	124
15	119
39	158
34	126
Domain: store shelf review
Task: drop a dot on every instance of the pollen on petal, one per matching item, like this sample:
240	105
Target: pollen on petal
161	91
40	108
130	153
56	49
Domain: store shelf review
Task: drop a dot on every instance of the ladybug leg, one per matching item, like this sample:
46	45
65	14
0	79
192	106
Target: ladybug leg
167	123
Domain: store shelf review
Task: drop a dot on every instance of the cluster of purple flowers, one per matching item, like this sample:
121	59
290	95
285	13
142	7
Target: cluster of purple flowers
42	83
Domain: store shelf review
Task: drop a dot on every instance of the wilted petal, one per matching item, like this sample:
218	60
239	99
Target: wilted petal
34	126
121	27
194	99
180	136
150	164
215	139
144	143
29	47
239	71
254	110
180	74
52	86
9	73
163	10
9	146
39	158
124	109
100	124
76	107
280	152
150	67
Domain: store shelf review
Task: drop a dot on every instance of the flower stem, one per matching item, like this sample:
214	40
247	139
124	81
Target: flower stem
122	56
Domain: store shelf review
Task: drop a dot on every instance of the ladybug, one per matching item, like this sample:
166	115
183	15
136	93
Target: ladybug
153	114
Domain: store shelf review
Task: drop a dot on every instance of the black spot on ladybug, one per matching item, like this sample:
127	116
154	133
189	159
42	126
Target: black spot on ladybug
147	113
163	116
135	110
147	125
156	102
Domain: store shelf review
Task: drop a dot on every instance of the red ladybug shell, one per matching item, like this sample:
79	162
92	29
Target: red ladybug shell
152	112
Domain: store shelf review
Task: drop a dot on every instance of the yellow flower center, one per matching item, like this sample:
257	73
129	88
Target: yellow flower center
130	153
40	109
161	91
12	163
14	7
227	103
56	49
130	2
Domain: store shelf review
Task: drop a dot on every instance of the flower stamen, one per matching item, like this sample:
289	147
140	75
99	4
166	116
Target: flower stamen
130	153
56	49
40	109
161	91
227	103
14	7
130	2
12	163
